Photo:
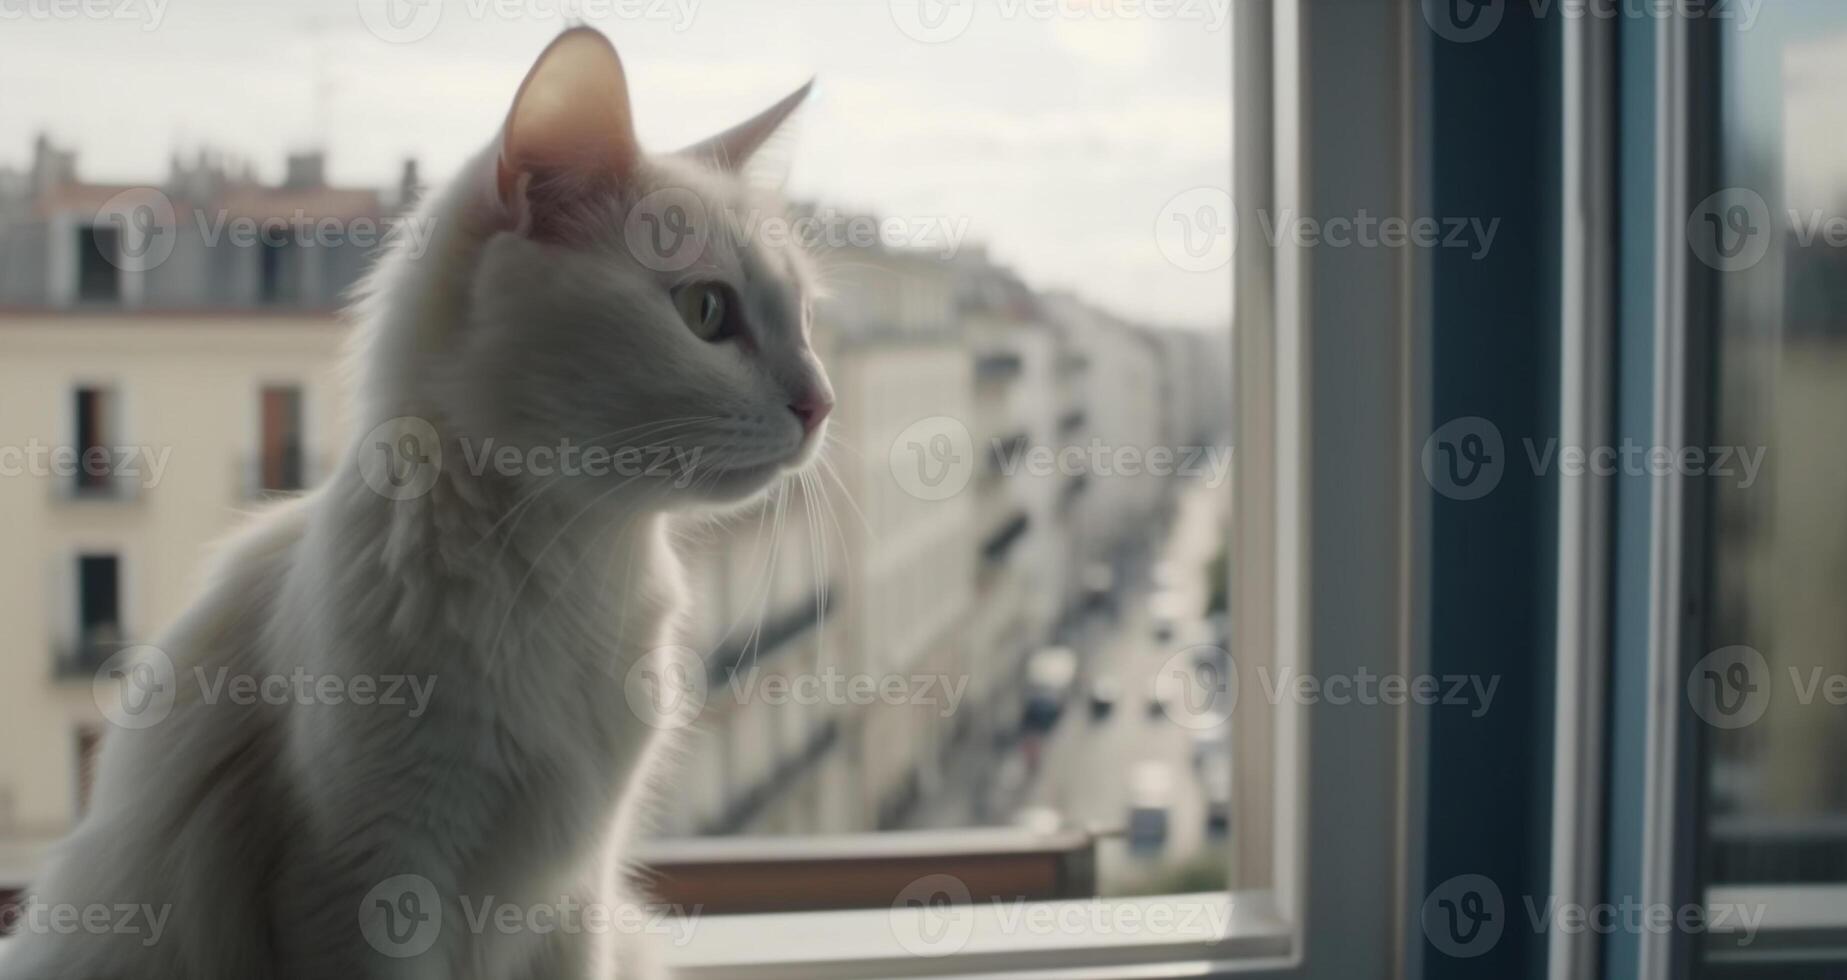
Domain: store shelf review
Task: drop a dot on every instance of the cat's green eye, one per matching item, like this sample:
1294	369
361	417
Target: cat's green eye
705	307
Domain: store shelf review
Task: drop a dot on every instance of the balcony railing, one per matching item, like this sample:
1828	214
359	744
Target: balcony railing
730	875
93	488
998	544
261	476
778	629
81	658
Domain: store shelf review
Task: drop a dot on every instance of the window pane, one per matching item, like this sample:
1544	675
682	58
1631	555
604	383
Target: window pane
1773	681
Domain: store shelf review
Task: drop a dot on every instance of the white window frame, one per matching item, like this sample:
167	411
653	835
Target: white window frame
1328	566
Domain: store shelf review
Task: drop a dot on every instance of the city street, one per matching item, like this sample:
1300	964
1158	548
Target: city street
1089	764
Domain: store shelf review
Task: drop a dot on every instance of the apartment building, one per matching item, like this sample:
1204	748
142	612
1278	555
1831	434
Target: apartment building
901	360
159	383
1020	555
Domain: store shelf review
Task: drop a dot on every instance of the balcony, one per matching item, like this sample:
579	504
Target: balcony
998	544
83	487
265	476
737	875
775	635
81	658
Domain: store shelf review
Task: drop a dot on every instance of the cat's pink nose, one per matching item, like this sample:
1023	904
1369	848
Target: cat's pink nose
811	410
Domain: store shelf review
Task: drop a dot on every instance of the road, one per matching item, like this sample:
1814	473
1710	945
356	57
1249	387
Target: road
1084	764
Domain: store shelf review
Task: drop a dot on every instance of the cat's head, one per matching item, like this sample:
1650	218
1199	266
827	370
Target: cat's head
627	302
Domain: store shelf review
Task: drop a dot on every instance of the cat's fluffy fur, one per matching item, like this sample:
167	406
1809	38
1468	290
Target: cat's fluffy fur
527	602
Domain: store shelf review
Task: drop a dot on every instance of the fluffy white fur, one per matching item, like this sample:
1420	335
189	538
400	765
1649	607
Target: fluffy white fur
526	600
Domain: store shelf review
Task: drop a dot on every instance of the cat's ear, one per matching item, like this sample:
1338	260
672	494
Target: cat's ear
571	124
756	148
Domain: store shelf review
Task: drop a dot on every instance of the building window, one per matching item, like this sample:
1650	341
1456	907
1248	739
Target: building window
275	285
98	275
99	610
95	416
280	462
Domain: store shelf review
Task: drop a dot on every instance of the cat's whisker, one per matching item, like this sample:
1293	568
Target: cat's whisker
649	429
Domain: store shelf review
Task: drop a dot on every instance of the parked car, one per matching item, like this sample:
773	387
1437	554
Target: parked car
1105	691
1050	676
1215	782
1166	609
1099	584
1151	792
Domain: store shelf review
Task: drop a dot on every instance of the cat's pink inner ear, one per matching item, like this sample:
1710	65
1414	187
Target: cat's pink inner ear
733	148
571	118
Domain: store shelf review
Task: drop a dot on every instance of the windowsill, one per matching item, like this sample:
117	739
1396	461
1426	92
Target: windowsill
1182	935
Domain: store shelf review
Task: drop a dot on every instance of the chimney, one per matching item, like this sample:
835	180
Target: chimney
306	170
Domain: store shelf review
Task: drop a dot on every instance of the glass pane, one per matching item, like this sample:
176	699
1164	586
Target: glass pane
1773	682
996	602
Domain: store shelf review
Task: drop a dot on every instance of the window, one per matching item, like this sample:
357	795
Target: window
98	264
1770	681
278	276
281	461
99	610
95	417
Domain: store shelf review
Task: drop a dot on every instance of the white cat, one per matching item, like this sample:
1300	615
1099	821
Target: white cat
576	292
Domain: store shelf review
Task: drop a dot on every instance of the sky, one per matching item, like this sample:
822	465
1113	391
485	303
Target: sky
1065	135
